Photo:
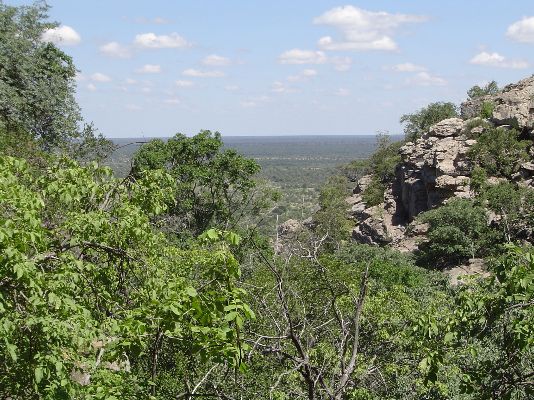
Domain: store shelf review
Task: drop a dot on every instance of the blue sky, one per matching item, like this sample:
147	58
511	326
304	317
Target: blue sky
154	68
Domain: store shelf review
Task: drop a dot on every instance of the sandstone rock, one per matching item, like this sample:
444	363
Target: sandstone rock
514	105
447	127
474	268
362	184
289	227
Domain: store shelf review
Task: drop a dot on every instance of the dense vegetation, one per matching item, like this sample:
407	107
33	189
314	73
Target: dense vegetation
159	284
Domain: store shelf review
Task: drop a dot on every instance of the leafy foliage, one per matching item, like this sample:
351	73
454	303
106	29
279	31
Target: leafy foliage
88	285
331	218
489	337
212	184
382	164
37	85
489	89
418	123
499	151
457	230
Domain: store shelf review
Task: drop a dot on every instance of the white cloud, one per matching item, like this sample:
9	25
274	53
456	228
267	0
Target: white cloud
298	56
100	77
362	29
172	101
116	50
522	31
149	69
202	74
497	60
341	63
342	92
248	104
130	81
408	67
425	79
216	61
231	88
182	84
280	87
152	41
303	75
309	73
91	87
62	35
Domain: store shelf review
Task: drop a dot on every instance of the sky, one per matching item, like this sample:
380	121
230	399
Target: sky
155	68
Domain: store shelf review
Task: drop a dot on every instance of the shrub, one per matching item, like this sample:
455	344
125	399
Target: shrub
373	194
499	151
420	121
457	230
477	91
486	110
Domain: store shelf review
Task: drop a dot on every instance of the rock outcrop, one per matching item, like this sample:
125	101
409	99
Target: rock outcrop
436	167
514	105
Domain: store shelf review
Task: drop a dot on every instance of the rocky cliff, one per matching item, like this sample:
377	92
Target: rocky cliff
436	168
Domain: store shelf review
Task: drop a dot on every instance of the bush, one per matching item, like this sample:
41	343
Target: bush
477	91
373	194
457	230
499	151
486	110
419	122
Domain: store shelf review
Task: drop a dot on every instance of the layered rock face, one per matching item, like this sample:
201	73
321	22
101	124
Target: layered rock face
514	105
436	168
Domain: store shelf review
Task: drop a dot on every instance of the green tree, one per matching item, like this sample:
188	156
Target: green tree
489	89
499	151
382	165
213	184
457	230
94	301
37	85
489	335
332	218
418	123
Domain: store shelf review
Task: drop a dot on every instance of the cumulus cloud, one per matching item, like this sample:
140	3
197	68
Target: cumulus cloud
497	60
280	87
426	79
195	73
62	35
152	41
303	75
100	77
341	63
182	83
362	29
214	60
298	56
172	101
116	50
342	92
522	31
149	69
408	67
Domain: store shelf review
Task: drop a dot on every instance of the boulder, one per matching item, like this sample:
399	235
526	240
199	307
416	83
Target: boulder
513	105
447	127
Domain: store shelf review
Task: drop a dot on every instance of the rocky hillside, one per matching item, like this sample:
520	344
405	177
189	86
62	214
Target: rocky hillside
436	167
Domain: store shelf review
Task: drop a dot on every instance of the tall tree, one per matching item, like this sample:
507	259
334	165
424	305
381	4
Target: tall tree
37	84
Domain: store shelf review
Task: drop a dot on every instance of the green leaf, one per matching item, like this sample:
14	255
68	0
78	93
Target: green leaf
38	374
